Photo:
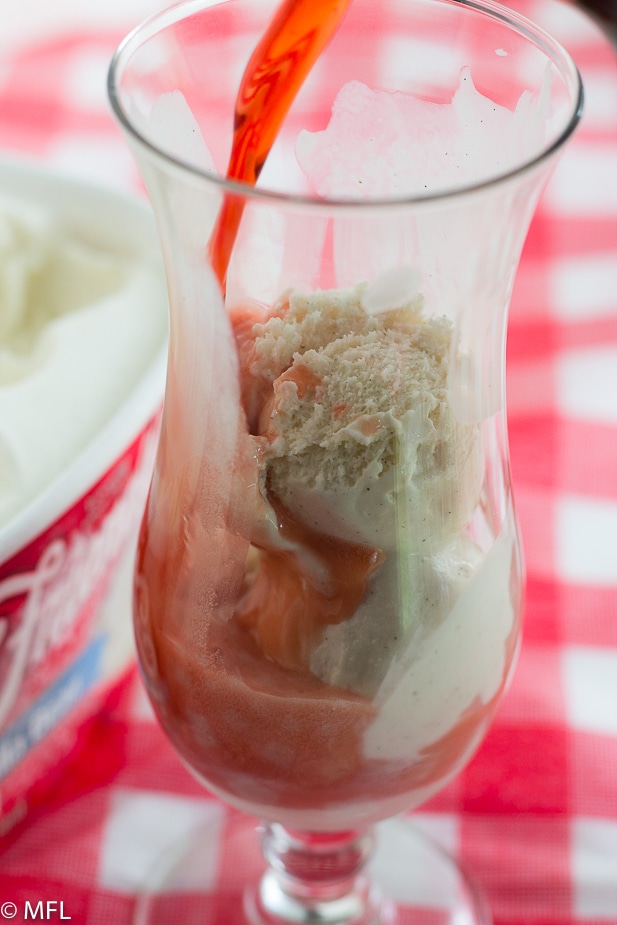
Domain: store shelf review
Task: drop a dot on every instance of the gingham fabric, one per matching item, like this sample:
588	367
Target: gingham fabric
534	815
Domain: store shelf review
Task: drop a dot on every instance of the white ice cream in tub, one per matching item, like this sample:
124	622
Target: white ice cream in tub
83	329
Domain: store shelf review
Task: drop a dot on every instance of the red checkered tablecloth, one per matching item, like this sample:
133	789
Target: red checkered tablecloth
534	815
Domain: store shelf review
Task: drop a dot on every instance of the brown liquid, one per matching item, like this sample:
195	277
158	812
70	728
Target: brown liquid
293	41
264	735
284	611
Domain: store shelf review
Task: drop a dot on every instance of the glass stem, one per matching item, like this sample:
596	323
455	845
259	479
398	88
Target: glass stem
314	877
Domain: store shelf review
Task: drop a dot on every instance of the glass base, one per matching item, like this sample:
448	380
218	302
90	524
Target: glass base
216	878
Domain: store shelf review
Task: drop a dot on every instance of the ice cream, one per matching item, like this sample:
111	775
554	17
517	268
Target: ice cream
373	622
357	443
79	325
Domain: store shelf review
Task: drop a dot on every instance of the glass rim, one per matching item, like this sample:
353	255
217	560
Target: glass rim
538	36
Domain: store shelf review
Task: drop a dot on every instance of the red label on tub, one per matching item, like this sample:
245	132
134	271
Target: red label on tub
50	593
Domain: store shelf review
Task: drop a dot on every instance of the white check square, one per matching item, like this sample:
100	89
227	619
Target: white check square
146	831
584	181
590	690
583	287
594	869
587	384
586	540
398	862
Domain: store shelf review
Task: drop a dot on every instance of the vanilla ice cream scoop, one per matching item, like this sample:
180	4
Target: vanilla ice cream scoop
359	425
371	478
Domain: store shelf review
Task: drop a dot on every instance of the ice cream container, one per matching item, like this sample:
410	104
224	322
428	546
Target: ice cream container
83	342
